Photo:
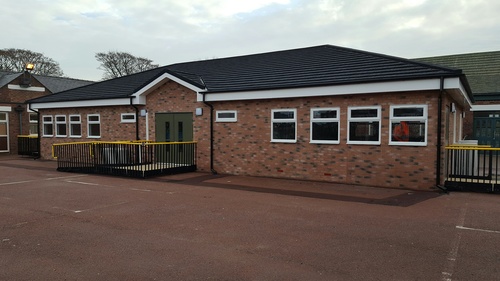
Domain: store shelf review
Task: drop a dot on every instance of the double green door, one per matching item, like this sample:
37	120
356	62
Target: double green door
487	130
175	128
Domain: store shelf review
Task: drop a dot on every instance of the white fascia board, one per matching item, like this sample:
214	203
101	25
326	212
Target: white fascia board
486	107
30	88
455	83
5	108
141	94
85	103
352	89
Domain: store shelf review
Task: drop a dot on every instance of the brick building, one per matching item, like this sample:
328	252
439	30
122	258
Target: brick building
322	113
15	117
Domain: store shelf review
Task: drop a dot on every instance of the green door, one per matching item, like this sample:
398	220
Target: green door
487	130
175	127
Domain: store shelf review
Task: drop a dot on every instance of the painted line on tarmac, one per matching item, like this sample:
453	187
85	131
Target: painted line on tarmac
451	258
69	177
478	229
81	182
15	182
100	207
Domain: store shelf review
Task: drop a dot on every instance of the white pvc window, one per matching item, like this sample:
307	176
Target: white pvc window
364	124
33	129
93	126
408	125
61	128
284	125
325	125
75	126
226	116
128	118
48	125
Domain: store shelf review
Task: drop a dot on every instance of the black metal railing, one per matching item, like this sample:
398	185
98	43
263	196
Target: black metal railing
135	159
473	168
27	145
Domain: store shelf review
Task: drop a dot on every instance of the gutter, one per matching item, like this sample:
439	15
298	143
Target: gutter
214	172
439	138
136	118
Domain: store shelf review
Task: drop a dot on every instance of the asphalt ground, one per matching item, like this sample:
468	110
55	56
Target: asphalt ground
196	226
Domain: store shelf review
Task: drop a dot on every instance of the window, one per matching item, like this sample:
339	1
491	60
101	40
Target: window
93	126
284	125
75	126
128	118
364	125
61	130
33	129
325	125
408	125
226	116
48	126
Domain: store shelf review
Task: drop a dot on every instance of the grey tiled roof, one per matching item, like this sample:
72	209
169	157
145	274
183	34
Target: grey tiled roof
52	83
482	70
59	84
307	67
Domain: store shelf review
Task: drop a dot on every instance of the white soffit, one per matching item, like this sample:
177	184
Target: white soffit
352	89
86	103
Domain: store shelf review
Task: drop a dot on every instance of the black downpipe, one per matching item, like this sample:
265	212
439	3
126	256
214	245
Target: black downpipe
439	138
214	172
136	118
38	140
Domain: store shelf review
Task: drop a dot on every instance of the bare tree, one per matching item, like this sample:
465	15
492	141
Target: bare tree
15	60
118	64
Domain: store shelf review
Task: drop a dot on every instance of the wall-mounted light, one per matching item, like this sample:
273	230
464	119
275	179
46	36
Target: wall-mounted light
30	66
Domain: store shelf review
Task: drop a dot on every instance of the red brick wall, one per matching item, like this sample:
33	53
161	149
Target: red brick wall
244	147
13	98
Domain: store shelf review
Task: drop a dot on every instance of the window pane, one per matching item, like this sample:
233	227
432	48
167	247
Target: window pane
284	131
61	129
60	118
3	116
94	130
325	131
409	112
283	115
325	114
363	131
33	129
360	113
48	129
227	115
74	118
76	130
408	131
3	129
33	117
94	118
47	119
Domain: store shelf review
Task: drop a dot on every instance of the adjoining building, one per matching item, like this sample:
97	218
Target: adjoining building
323	113
15	89
483	73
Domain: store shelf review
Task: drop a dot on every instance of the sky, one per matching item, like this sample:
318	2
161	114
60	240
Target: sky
173	31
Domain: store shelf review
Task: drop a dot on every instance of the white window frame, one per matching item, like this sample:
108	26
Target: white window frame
226	119
58	123
125	118
291	120
89	122
397	119
329	120
51	123
351	119
75	123
33	123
